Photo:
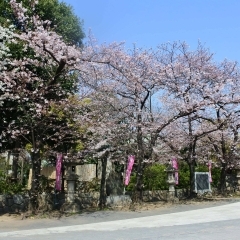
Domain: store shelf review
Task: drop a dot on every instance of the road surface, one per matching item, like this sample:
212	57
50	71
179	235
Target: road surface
221	221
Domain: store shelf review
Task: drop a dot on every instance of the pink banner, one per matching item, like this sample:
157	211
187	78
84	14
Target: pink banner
210	170
175	166
58	171
129	169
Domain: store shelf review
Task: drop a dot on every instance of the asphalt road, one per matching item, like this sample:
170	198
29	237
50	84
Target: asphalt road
219	220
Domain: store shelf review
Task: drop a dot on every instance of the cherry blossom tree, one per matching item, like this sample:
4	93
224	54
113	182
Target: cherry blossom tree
196	83
128	83
36	88
225	142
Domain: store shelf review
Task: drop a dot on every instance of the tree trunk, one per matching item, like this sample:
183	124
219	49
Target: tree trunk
222	185
103	197
138	190
15	162
191	165
34	191
15	166
62	175
192	157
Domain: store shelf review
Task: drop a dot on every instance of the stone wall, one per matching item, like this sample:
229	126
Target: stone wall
88	200
48	202
231	182
162	195
118	201
13	203
19	203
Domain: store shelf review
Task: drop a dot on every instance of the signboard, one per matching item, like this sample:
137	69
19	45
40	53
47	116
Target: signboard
202	183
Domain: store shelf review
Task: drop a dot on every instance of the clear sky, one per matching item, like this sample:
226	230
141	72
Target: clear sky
149	23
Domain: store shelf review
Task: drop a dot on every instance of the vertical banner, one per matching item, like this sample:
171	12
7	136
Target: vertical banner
210	170
129	169
175	166
58	171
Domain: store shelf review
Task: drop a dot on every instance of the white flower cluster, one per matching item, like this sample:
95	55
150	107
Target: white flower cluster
6	36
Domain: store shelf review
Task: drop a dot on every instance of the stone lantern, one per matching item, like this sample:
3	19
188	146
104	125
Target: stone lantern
71	177
171	181
238	180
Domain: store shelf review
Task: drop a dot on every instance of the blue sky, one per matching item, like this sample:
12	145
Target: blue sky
148	23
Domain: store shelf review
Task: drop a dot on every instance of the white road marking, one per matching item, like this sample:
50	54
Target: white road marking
213	214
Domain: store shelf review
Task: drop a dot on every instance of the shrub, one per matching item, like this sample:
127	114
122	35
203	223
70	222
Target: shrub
132	182
183	176
8	187
155	177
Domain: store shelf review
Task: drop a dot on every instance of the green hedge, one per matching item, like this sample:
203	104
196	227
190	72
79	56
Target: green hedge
155	177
